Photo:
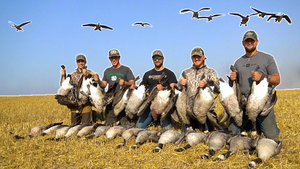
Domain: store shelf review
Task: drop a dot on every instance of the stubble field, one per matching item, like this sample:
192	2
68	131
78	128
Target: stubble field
19	113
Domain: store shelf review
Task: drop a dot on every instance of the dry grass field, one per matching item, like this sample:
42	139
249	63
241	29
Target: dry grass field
18	114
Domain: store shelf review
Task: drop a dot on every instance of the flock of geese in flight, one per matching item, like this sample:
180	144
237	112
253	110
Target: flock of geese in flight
277	16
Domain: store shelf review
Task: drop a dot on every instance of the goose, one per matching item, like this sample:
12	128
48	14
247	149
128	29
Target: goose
117	131
18	27
261	13
259	101
65	87
127	134
84	91
216	140
97	26
170	110
165	137
86	130
145	135
230	103
236	143
73	130
210	17
203	102
51	129
266	149
97	98
135	100
245	19
279	17
142	24
60	132
195	13
36	130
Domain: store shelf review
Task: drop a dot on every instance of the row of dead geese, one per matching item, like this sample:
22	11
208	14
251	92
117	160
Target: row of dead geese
277	16
265	148
165	103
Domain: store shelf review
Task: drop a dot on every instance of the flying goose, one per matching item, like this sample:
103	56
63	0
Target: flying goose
261	13
279	17
18	27
142	24
195	13
210	17
97	26
245	19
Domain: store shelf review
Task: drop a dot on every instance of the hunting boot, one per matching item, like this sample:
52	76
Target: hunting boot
75	119
86	118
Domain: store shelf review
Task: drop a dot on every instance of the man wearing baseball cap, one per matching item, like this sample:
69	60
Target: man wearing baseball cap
82	113
191	79
246	74
123	76
150	78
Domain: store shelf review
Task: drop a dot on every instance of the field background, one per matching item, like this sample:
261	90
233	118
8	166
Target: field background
19	113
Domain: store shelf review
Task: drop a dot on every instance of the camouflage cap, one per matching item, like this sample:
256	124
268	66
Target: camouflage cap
113	52
197	51
250	34
157	53
80	57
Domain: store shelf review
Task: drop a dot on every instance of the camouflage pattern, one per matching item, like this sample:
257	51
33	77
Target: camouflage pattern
192	83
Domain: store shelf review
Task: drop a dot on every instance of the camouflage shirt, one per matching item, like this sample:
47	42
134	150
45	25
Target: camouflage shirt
75	76
193	74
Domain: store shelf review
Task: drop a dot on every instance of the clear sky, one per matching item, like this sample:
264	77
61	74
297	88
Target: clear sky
30	60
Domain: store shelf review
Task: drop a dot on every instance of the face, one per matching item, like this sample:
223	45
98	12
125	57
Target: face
80	63
158	60
114	60
198	61
250	44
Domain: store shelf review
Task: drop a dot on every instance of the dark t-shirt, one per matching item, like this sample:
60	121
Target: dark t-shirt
112	75
244	65
151	76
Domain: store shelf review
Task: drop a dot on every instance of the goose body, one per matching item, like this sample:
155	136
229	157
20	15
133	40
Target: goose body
18	27
65	87
166	137
135	101
72	130
195	13
159	103
84	90
279	17
101	130
145	135
51	129
210	17
120	106
127	134
61	131
40	129
202	103
97	26
181	107
245	19
97	96
142	24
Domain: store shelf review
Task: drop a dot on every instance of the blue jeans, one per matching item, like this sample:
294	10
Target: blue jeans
146	118
267	125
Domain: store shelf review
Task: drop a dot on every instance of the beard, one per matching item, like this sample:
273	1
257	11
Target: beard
158	66
250	50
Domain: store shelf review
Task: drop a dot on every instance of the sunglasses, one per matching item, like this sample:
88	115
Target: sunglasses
78	61
159	58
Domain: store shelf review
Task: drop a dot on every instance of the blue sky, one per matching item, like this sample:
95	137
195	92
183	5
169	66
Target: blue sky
31	59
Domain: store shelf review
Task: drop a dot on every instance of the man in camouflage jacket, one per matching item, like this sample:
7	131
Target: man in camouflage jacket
190	78
81	113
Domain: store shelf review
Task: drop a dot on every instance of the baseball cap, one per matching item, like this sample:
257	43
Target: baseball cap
197	51
113	52
158	53
250	34
80	56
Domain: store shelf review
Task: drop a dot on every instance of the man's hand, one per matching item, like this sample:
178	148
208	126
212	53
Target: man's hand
202	83
96	77
183	81
233	76
121	81
63	71
160	87
133	86
255	76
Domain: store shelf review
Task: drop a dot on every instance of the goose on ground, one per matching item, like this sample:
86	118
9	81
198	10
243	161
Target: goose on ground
145	135
165	137
127	134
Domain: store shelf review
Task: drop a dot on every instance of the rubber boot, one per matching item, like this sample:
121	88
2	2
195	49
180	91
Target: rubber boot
75	119
86	118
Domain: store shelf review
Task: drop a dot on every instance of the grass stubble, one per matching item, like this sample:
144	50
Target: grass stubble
20	113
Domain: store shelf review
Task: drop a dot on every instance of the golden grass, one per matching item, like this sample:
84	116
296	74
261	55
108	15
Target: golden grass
18	114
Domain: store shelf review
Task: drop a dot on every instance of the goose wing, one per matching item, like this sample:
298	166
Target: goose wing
203	17
107	27
287	18
207	9
22	24
237	14
90	24
270	17
256	10
215	15
186	10
137	23
148	24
